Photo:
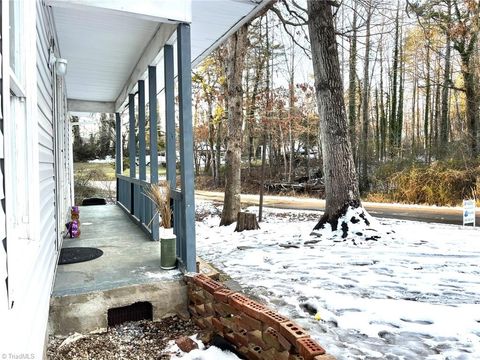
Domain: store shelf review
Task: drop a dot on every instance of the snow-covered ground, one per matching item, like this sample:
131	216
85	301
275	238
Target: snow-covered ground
413	296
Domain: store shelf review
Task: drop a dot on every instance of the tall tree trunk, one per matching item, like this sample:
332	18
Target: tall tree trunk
445	93
383	116
393	105
426	115
352	76
365	112
218	155
291	113
399	122
436	117
377	126
236	50
414	99
341	184
472	103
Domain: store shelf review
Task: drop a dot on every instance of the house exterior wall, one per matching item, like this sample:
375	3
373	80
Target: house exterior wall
35	163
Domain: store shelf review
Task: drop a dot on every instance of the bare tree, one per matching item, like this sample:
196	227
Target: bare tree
236	50
341	184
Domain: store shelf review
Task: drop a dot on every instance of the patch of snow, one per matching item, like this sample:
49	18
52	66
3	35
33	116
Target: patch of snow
202	353
108	159
414	296
357	227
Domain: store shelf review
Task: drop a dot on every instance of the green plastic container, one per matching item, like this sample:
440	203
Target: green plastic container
168	249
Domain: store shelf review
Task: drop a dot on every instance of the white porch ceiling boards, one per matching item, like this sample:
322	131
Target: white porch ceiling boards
109	49
101	48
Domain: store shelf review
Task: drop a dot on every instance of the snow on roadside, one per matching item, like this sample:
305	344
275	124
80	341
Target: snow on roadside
416	296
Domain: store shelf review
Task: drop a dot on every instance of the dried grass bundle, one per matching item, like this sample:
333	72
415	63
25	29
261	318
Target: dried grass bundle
160	196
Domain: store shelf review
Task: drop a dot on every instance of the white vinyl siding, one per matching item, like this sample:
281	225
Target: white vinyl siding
31	182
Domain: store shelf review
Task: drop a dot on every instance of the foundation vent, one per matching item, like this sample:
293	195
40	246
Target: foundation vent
135	312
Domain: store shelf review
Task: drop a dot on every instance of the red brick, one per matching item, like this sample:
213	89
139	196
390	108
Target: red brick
230	337
292	332
238	301
253	309
206	283
199	279
272	319
199	322
186	344
200	309
229	323
241	338
309	348
247	322
224	309
272	354
255	337
211	285
295	357
243	350
196	297
273	338
209	309
222	295
254	352
217	324
208	321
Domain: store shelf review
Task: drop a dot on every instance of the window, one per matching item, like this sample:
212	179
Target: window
15	37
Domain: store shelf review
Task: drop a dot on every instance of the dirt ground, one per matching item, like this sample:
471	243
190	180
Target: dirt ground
132	340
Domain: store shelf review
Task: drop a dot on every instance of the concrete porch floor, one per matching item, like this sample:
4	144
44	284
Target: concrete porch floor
127	272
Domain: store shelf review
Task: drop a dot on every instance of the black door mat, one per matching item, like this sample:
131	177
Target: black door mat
74	255
94	201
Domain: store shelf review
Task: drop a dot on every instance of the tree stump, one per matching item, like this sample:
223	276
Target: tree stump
246	221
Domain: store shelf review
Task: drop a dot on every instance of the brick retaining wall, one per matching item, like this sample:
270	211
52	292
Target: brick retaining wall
255	330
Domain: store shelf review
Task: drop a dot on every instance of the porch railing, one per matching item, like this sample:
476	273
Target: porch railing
131	197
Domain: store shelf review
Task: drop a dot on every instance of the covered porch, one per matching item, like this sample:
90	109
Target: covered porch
135	59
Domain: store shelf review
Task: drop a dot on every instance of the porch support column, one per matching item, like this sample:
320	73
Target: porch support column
131	146
186	142
118	149
152	107
141	146
170	137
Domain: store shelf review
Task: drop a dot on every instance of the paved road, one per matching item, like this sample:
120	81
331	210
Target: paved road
446	215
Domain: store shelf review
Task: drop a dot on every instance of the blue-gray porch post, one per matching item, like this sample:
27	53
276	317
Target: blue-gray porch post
118	150
142	168
186	143
131	146
152	106
170	115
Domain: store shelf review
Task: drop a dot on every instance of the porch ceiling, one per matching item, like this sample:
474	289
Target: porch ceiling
108	51
102	49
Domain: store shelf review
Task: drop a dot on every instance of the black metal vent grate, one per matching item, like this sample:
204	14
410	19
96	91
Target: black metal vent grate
135	312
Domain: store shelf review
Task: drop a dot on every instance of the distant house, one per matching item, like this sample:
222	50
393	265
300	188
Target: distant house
105	48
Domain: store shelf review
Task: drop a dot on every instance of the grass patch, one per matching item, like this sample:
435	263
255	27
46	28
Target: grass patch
105	171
